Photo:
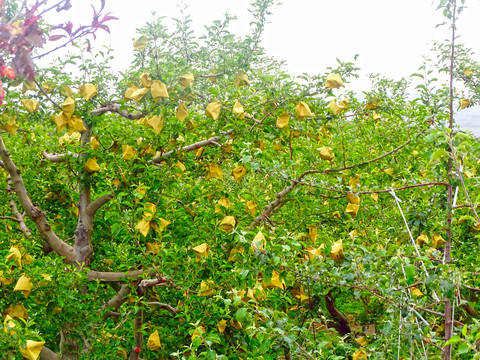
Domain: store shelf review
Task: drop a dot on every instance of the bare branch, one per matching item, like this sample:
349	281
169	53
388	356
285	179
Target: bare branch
46	95
119	298
168	307
47	354
212	141
34	213
97	204
20	218
59	157
115	108
118	276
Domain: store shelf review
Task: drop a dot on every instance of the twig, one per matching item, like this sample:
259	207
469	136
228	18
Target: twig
307	355
170	308
46	95
211	141
20	218
59	157
115	108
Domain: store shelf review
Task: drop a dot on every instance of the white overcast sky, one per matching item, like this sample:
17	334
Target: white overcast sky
390	36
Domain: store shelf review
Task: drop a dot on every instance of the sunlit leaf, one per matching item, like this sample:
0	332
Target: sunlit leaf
88	91
239	172
275	281
146	80
207	288
251	207
334	81
464	103
32	349
302	110
214	171
359	354
227	224
156	123
241	79
68	107
182	111
158	90
326	153
139	43
31	105
186	80
153	341
213	109
282	121
91	165
24	285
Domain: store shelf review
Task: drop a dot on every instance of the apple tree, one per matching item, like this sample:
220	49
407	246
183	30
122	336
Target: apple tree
206	204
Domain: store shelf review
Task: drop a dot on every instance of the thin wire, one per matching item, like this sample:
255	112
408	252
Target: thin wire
399	332
398	201
456	190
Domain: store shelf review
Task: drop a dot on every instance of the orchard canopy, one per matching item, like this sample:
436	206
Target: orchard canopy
205	204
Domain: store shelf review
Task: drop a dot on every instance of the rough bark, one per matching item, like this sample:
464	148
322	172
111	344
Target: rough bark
38	216
340	321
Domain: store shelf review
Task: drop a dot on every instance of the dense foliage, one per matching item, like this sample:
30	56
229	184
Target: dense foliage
207	205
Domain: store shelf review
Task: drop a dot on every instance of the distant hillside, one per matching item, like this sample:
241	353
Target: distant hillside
469	119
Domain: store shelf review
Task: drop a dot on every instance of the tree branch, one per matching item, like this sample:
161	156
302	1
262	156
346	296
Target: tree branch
34	213
20	219
270	208
119	298
97	204
115	108
212	141
118	276
47	354
46	95
170	308
59	157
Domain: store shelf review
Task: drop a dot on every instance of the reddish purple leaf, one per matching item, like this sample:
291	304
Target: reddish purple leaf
108	17
56	37
23	64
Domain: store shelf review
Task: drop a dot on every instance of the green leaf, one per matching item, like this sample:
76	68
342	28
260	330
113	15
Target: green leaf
454	340
410	274
241	314
463	348
439	154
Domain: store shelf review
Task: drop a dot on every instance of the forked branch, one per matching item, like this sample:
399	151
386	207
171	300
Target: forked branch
38	216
